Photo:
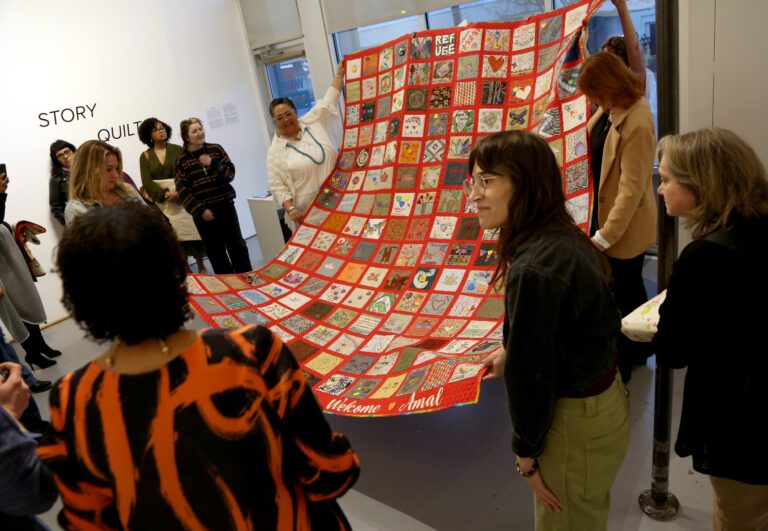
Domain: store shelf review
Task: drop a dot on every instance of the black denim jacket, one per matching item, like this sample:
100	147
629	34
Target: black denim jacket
559	331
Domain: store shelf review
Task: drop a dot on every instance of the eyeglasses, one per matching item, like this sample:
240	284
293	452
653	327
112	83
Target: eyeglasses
285	116
479	184
64	153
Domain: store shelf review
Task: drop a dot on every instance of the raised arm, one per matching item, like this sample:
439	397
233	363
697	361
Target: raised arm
338	80
326	109
634	52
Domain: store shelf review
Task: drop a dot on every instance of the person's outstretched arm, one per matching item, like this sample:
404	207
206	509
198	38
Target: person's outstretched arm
634	51
326	109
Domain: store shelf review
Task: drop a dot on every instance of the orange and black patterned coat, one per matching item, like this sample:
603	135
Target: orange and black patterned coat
227	435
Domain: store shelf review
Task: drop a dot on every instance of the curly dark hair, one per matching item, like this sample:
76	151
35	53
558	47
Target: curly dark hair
134	249
146	127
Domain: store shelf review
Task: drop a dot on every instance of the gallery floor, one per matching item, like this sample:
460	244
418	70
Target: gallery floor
454	470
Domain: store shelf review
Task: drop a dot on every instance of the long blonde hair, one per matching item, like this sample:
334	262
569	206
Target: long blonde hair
722	172
87	174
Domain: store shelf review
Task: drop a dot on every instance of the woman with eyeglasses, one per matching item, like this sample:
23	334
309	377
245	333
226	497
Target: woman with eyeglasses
303	150
569	409
62	153
157	165
203	178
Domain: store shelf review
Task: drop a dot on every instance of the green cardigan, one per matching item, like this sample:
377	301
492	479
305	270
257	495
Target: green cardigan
152	170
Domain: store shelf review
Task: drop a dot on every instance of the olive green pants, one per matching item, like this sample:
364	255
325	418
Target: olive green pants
584	449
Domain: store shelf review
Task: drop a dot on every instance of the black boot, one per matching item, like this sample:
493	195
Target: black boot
37	337
33	356
31	419
40	386
38	359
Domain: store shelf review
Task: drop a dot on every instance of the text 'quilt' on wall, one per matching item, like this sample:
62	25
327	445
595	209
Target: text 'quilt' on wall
383	294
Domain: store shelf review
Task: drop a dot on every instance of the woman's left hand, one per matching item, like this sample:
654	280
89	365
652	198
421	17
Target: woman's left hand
205	159
537	485
338	80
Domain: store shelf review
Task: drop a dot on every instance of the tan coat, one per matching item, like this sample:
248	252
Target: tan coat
626	211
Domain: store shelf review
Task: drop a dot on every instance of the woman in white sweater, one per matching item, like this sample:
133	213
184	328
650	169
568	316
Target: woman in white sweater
303	150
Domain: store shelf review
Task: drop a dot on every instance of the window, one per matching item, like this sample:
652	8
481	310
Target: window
289	78
354	40
357	39
484	11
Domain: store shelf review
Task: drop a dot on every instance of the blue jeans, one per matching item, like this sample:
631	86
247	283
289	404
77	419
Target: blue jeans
31	417
7	353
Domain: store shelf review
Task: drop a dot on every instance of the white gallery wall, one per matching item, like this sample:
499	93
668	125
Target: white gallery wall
87	69
723	68
724	72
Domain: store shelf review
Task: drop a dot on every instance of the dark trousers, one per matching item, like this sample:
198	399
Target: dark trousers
7	353
223	240
31	417
629	293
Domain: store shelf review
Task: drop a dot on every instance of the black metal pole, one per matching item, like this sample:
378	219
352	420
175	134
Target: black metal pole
657	502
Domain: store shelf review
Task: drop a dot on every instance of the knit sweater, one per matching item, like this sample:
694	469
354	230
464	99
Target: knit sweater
200	187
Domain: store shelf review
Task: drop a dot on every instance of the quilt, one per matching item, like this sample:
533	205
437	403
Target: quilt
383	294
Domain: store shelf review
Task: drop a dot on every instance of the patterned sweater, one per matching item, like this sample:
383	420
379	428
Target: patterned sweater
200	187
227	435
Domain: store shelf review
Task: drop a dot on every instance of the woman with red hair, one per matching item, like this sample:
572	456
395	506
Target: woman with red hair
624	198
